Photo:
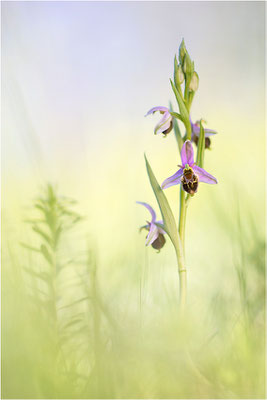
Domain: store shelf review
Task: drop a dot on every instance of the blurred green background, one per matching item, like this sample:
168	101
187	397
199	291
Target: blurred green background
87	310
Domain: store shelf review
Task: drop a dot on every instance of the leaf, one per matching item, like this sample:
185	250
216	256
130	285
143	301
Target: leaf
201	147
159	225
43	276
43	234
166	212
183	110
177	131
72	322
34	221
74	303
57	234
30	247
176	115
46	254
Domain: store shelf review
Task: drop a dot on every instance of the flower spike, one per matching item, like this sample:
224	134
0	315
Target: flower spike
189	175
165	124
155	234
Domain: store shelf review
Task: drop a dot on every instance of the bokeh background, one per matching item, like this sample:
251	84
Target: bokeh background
77	80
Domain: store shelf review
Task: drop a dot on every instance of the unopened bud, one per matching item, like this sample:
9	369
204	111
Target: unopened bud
194	82
180	74
187	65
182	52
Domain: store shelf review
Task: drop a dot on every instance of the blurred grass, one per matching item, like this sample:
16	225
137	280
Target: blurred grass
91	330
95	314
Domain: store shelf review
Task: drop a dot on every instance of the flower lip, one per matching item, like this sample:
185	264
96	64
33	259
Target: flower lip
189	174
155	234
165	124
196	132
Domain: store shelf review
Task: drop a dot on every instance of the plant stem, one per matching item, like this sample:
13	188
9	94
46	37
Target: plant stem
182	275
182	270
182	217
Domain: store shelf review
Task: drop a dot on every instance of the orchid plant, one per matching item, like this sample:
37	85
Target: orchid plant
190	172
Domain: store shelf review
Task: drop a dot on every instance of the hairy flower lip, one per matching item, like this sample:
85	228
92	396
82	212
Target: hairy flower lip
165	124
154	231
187	157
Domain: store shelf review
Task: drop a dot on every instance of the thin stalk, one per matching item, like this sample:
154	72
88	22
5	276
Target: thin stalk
183	285
182	276
182	270
188	129
182	217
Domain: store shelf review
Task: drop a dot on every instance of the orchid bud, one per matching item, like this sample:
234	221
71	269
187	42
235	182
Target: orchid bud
194	82
182	52
178	73
188	65
155	236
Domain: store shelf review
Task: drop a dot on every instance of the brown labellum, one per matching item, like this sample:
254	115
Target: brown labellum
159	242
207	141
168	130
189	181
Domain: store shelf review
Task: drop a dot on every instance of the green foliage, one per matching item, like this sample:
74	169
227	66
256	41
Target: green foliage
101	344
201	147
177	132
169	222
183	110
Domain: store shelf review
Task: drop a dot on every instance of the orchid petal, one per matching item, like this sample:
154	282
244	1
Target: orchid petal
204	176
158	108
209	132
152	234
163	124
195	129
144	227
173	180
187	153
150	209
159	228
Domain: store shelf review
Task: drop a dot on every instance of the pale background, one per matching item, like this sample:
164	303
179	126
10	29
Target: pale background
77	81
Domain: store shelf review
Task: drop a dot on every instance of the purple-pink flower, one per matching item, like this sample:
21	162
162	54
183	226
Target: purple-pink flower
189	175
196	131
155	234
165	124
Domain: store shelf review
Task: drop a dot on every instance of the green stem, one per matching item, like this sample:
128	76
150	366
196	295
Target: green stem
182	216
182	275
182	270
188	129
